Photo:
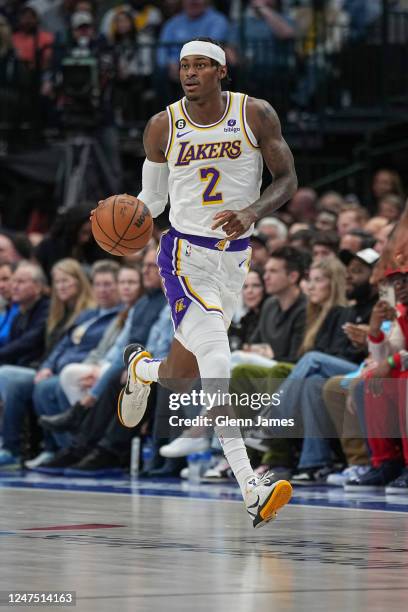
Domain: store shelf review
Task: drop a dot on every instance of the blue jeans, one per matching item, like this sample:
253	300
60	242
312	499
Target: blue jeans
49	399
301	395
16	388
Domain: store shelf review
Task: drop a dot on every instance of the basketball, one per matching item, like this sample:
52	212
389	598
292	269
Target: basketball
122	224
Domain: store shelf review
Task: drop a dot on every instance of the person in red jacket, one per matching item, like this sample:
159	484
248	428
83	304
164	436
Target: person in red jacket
32	45
385	393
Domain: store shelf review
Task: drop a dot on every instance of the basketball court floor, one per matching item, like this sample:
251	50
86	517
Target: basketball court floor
169	546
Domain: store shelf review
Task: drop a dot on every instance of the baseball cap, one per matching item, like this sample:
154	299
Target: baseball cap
81	18
367	256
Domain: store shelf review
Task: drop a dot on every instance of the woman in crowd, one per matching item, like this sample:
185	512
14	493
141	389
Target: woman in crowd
253	296
83	383
71	294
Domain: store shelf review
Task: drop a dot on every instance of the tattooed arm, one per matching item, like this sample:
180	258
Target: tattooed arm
265	125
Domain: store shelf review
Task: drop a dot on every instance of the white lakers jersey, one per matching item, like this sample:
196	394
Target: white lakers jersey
212	167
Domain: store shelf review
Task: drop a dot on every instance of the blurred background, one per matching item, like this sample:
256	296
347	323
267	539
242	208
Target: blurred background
80	78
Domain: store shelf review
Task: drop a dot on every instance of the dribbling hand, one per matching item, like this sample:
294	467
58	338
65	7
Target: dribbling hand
234	222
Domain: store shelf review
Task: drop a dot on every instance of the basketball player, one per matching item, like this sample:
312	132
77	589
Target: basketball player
206	151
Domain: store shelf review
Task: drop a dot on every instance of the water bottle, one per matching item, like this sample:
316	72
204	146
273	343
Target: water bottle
198	463
147	453
135	457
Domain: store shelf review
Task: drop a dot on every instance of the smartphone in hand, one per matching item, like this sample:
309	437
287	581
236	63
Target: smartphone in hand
387	293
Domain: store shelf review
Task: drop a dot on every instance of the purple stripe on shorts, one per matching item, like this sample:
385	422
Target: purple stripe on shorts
211	243
173	288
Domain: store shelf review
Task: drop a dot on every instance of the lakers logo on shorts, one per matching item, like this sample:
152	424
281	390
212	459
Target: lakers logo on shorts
220	245
180	305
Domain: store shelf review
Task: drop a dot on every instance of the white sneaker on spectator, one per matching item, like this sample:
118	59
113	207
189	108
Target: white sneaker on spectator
184	473
43	457
339	479
182	446
263	498
256	443
218	473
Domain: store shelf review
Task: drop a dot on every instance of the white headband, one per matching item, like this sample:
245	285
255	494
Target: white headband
198	47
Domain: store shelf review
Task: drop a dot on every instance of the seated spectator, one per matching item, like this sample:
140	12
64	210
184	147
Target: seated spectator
260	255
146	18
33	45
274	230
331	200
335	353
385	182
326	221
26	339
375	225
253	297
70	295
325	243
83	383
384	401
282	319
8	309
197	19
14	247
102	418
302	207
302	240
390	207
351	219
77	342
355	240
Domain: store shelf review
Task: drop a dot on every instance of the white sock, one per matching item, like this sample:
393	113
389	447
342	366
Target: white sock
148	369
236	454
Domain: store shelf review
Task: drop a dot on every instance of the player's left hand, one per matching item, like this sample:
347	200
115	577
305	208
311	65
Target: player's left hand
234	222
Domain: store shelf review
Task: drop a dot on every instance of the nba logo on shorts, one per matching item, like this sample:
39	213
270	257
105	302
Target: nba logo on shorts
188	250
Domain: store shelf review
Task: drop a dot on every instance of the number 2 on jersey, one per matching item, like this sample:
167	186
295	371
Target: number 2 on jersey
210	194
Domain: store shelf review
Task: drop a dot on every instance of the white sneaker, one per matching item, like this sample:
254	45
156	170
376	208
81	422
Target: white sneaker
182	446
257	444
218	473
132	401
184	473
43	457
338	479
263	498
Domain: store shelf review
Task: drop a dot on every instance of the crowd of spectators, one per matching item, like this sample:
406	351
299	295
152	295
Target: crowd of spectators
135	49
317	325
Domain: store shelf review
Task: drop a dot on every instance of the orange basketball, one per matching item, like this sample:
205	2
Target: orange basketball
122	224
